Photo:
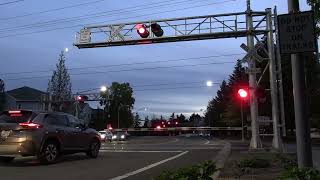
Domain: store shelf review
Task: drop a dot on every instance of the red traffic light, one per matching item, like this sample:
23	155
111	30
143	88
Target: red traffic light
243	93
81	98
156	29
142	30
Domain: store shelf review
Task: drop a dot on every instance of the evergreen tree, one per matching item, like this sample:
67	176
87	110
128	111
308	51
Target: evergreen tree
60	85
136	120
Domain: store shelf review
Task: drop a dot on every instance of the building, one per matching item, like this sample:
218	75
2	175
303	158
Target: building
24	98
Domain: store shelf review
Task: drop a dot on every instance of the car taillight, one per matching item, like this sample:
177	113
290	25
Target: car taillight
30	125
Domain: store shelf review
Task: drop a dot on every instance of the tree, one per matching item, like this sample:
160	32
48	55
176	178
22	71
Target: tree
60	85
315	4
119	98
136	121
2	95
172	116
181	118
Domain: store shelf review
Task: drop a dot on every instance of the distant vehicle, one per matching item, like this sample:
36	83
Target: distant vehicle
46	135
120	136
204	133
106	135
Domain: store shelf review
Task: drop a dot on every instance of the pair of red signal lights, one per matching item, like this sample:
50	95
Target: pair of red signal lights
142	30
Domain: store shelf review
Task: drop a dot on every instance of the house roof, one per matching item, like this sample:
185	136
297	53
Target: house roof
26	94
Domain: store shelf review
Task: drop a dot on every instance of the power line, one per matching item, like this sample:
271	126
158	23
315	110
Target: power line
123	70
10	2
170	88
154	84
81	25
50	10
127	64
94	15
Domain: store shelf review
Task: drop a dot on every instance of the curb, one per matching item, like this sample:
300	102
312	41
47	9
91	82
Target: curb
221	158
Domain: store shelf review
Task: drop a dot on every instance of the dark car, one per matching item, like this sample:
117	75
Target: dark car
46	135
120	136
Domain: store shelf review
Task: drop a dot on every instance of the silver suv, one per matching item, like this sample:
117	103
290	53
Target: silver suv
46	135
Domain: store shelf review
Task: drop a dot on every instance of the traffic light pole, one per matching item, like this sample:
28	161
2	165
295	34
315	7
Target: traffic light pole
242	131
304	148
255	139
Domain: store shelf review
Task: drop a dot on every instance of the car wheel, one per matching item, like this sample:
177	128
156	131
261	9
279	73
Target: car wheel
6	159
49	153
94	149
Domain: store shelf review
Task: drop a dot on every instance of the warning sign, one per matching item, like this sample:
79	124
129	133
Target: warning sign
297	33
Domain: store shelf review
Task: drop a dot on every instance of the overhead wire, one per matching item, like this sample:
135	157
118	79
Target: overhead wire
127	64
50	10
94	15
81	25
10	2
122	70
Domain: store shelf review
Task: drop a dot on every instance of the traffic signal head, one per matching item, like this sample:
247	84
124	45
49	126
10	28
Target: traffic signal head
81	98
156	29
243	93
142	30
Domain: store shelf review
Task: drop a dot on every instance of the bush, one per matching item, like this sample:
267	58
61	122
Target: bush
254	163
301	174
285	161
197	172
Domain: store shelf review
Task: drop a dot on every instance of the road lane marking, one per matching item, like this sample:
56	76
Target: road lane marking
148	167
207	142
125	151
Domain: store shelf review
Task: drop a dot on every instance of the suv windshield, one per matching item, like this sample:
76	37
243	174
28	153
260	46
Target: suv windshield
16	116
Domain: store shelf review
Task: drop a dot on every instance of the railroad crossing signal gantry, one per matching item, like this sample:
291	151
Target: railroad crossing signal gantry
171	30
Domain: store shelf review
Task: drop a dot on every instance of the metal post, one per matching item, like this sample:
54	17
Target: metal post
242	133
119	116
276	143
278	60
255	139
77	109
304	148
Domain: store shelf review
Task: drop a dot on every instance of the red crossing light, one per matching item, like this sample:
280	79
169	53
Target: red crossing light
243	93
142	30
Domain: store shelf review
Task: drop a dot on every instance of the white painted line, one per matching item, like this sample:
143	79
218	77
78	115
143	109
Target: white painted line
125	151
207	141
148	167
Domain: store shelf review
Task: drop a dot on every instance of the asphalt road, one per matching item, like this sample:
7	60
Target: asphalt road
138	158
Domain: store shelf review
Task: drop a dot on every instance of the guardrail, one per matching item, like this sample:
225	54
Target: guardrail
180	129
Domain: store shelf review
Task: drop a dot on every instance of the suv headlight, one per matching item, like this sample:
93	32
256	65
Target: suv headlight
114	137
122	136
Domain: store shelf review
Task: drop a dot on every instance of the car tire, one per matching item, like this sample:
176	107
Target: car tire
6	159
94	148
49	153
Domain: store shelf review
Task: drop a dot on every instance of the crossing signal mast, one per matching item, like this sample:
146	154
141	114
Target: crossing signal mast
249	24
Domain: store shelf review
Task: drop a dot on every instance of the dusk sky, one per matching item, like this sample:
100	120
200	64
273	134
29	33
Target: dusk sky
36	48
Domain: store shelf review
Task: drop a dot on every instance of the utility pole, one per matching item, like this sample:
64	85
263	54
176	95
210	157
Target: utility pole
255	139
276	143
279	72
303	139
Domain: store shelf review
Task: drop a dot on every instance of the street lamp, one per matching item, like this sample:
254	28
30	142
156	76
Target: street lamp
103	89
66	49
209	83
